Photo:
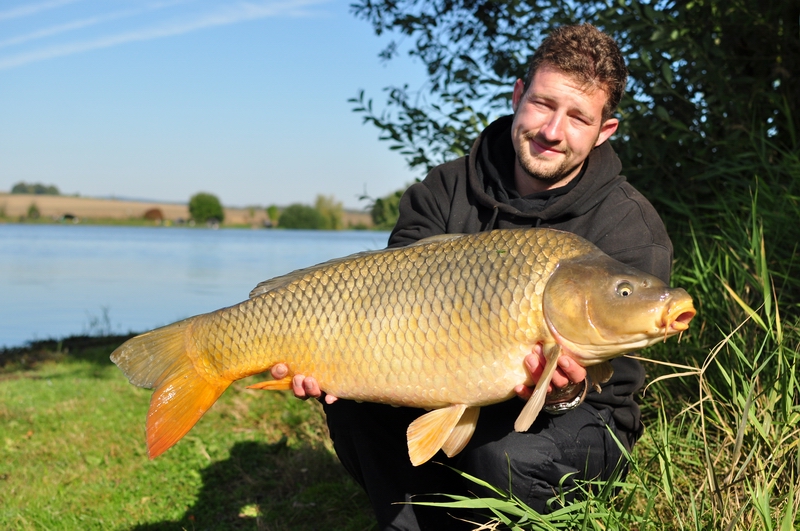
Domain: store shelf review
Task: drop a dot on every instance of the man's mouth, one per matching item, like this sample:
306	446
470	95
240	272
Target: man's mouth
541	148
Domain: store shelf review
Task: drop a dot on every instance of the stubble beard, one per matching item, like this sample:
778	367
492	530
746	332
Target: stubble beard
535	166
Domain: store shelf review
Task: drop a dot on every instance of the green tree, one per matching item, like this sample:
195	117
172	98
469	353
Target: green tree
706	78
331	211
385	210
34	188
299	216
204	207
273	213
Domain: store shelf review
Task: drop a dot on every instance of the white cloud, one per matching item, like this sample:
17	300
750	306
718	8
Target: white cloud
85	23
32	9
240	12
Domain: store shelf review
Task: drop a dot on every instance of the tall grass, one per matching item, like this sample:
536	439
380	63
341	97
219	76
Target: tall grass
721	449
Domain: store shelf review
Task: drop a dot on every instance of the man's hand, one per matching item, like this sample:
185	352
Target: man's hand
568	373
303	387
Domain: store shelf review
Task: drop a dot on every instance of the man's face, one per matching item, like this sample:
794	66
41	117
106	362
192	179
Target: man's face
557	122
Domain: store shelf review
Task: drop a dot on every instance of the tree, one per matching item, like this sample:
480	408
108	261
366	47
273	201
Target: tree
34	188
331	211
273	213
385	210
299	216
204	207
711	81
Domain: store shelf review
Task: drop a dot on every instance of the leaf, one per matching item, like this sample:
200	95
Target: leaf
748	310
666	71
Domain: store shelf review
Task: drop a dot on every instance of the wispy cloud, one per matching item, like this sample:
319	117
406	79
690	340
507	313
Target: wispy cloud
85	23
227	15
32	9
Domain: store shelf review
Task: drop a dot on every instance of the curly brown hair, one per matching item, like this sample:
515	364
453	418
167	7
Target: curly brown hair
589	55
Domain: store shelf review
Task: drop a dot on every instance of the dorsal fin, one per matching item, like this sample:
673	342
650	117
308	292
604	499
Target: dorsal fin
437	238
285	280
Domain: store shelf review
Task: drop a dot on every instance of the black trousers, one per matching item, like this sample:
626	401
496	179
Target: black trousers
370	440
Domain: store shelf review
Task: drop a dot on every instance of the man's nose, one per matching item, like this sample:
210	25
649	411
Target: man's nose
553	129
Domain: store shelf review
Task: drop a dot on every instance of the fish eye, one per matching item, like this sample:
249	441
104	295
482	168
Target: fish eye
624	289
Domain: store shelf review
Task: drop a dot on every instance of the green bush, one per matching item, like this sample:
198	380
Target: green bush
299	216
204	207
33	211
385	210
331	212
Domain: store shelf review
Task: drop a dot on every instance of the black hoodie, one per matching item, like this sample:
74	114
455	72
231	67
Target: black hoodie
477	193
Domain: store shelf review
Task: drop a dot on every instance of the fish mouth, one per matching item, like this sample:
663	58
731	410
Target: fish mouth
679	315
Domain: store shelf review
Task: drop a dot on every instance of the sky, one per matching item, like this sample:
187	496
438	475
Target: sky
159	100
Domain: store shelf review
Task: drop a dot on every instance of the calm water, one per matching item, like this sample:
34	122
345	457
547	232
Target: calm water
58	280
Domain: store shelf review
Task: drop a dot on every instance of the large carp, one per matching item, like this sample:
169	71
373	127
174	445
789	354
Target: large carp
443	324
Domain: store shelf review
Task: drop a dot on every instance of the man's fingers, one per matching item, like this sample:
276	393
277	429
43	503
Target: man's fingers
535	364
298	386
568	372
279	371
523	391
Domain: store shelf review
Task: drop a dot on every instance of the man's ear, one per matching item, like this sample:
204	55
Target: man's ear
519	91
608	128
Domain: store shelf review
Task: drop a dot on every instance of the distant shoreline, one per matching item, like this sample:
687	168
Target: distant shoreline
59	207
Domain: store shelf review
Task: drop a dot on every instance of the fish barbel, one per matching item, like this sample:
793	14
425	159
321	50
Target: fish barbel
442	324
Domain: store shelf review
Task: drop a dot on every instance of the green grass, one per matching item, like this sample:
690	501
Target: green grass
73	456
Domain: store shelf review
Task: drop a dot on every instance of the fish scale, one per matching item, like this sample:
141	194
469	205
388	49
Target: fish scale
444	323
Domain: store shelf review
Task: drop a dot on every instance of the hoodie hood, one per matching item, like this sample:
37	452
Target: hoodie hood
491	180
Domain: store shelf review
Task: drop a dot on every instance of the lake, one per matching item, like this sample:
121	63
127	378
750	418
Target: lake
62	280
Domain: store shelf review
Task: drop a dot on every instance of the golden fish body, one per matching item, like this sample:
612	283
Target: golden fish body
443	324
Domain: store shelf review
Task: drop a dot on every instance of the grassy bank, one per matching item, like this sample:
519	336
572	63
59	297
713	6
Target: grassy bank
72	454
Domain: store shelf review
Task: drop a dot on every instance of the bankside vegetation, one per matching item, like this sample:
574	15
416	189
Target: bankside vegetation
326	214
706	77
205	207
384	210
34	188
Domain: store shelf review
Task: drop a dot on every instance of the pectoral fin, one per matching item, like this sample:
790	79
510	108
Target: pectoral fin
599	374
431	431
284	384
462	433
536	401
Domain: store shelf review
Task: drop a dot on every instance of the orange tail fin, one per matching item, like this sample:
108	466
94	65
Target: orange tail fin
181	395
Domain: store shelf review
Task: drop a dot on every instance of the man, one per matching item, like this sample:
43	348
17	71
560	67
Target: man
548	165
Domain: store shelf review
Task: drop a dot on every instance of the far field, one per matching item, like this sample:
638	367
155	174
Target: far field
14	206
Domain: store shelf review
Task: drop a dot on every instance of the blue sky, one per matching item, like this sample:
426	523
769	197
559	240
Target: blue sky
162	99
